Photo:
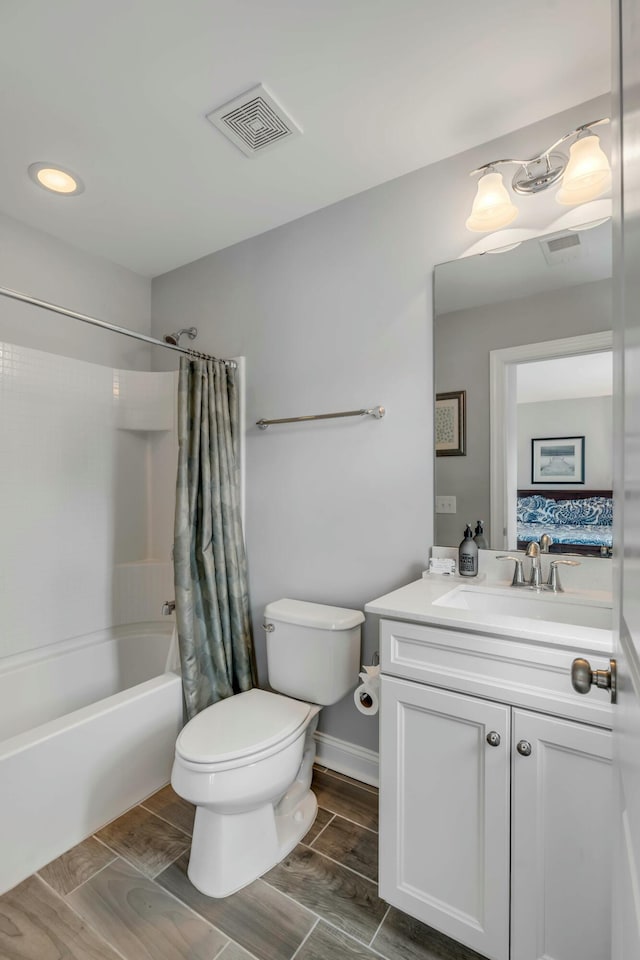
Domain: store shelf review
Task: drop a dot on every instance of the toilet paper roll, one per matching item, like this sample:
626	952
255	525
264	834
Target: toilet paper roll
366	700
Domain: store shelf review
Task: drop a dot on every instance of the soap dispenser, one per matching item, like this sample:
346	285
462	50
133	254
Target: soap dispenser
479	538
468	555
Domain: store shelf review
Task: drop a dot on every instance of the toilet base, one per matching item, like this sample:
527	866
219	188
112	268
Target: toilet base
229	851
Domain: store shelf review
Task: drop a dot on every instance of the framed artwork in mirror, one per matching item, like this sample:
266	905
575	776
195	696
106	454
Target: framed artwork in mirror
557	460
450	425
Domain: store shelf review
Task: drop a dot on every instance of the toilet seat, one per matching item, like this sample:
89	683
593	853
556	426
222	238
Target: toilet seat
242	729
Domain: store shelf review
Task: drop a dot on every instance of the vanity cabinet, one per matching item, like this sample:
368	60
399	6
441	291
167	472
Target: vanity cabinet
444	812
561	840
493	815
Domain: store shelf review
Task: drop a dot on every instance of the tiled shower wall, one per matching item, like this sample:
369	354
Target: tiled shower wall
79	443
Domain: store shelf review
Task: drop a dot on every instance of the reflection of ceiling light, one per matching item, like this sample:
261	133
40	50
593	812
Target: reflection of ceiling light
584	216
56	179
585	176
499	242
505	249
590	225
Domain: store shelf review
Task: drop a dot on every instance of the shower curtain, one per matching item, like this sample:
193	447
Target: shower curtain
212	599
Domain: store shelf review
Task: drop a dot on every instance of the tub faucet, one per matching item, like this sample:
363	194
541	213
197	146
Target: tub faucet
168	607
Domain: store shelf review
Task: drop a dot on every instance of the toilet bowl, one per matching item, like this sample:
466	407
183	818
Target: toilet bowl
247	762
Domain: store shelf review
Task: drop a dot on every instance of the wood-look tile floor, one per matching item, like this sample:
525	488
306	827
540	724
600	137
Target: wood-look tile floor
123	894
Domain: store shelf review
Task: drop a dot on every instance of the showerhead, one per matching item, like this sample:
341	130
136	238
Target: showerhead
174	338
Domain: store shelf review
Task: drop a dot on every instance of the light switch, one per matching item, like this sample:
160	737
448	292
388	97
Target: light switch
445	504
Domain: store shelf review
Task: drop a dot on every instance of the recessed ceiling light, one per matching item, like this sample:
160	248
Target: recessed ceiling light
56	179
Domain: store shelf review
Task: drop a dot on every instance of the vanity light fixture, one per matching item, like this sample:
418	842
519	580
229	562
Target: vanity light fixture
56	179
492	207
585	175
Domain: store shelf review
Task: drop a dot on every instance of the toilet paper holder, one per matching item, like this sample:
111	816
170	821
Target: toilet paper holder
365	696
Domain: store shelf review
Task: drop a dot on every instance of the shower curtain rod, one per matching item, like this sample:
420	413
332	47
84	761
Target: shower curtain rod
125	331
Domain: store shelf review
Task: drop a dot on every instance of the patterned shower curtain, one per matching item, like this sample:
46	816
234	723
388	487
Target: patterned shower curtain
212	598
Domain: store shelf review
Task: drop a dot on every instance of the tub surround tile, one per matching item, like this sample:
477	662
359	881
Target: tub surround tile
323	818
402	936
36	924
141	919
259	918
167	804
327	943
144	840
347	800
345	899
77	865
354	846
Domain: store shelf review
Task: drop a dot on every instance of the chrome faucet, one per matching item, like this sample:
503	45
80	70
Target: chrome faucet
545	543
533	552
553	583
535	580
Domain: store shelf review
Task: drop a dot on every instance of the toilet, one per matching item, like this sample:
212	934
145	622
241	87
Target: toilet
247	762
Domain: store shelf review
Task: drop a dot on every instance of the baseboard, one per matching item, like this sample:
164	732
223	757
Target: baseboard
348	758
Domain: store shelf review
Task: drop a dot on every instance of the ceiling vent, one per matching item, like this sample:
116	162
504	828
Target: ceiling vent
562	248
254	121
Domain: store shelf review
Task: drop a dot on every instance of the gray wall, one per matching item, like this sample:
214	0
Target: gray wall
37	264
463	342
588	417
333	312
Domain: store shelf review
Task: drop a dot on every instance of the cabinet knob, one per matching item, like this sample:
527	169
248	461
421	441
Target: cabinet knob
493	739
524	748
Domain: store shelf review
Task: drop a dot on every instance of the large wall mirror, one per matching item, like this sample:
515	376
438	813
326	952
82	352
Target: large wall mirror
523	381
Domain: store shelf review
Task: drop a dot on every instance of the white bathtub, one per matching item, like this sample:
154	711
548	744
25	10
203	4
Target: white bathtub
87	730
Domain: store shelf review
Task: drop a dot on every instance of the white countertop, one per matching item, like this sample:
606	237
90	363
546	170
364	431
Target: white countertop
415	602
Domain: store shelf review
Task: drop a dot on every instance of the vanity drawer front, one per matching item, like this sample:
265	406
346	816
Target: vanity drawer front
510	671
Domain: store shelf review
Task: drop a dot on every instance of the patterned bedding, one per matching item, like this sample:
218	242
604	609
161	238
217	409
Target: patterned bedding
585	520
590	535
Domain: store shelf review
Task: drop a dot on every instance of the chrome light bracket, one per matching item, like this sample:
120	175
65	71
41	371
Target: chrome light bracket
540	173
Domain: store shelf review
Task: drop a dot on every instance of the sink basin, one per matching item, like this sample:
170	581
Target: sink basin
522	602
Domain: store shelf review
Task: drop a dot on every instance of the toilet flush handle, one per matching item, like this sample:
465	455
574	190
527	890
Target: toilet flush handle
269	627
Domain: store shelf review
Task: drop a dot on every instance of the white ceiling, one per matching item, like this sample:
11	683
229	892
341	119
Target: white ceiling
566	378
118	91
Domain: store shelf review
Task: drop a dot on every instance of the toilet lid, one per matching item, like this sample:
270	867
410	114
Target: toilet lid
241	725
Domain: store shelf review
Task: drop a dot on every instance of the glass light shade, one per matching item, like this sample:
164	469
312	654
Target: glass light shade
588	173
492	207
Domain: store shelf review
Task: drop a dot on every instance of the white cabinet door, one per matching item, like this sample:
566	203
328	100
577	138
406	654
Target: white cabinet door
444	812
561	840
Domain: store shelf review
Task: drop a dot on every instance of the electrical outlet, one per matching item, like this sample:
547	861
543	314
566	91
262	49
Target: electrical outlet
445	504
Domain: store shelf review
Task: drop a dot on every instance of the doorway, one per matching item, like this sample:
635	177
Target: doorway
504	467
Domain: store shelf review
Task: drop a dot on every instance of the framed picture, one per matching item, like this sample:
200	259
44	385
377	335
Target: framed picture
557	460
450	428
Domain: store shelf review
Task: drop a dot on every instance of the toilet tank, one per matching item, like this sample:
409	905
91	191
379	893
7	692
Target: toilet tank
313	650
